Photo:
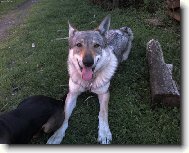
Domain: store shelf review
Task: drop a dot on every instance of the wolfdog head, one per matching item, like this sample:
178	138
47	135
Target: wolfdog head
86	48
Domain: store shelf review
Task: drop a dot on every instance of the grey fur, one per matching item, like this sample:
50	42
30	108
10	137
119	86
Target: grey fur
119	41
104	25
86	37
108	48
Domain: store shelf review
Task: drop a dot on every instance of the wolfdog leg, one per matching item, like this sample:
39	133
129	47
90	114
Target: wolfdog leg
104	134
70	104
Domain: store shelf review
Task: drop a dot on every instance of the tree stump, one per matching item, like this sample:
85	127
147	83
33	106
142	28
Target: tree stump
163	88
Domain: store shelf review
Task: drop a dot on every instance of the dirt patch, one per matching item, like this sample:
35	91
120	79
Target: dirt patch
14	17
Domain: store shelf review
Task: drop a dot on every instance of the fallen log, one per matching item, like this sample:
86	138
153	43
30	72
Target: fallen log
163	88
175	14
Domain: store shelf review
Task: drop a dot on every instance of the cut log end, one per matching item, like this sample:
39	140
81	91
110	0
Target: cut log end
167	100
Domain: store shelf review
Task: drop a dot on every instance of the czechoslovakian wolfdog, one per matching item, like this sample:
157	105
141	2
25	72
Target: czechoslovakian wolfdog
92	61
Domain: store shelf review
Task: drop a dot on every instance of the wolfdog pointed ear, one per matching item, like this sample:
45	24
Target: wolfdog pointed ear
71	30
104	25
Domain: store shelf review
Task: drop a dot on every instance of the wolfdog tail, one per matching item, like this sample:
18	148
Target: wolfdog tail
130	37
128	31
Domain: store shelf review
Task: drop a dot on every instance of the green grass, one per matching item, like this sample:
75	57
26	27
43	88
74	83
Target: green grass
7	5
26	71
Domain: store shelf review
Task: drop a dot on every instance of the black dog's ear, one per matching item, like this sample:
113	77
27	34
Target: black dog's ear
104	25
72	30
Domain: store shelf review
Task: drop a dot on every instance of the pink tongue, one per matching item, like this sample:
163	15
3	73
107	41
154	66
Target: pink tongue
87	73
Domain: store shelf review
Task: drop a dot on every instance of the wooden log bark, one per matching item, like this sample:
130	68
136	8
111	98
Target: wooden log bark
163	88
175	14
173	7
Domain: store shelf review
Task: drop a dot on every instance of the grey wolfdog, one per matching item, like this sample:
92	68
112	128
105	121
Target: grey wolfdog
92	61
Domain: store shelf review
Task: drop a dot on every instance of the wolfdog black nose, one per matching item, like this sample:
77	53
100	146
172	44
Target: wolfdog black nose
88	60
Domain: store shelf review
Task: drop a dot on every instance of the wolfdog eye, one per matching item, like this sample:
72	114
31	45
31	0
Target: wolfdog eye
96	45
79	45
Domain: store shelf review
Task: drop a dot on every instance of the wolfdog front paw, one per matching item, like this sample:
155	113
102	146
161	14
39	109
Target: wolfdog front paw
56	138
104	136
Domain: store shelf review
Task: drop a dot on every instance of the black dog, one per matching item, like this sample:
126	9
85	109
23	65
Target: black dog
32	115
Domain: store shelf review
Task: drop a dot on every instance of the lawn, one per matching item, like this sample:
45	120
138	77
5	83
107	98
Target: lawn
27	70
7	5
